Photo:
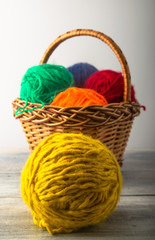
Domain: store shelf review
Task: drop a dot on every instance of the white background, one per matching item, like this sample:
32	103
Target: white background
28	27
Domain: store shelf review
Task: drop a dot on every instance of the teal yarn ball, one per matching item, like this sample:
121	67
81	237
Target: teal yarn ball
42	83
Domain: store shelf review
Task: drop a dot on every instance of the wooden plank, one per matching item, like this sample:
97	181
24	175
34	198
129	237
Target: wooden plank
133	161
134	183
140	182
139	160
12	163
138	174
10	185
133	218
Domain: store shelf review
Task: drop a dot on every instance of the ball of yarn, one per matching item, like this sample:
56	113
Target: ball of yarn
42	83
70	181
133	94
110	84
81	71
78	97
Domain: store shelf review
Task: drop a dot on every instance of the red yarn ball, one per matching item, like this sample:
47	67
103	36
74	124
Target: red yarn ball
109	84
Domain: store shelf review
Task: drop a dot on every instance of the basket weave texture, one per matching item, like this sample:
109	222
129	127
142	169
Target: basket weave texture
111	124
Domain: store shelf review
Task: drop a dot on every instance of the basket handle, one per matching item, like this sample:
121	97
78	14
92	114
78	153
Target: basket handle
108	41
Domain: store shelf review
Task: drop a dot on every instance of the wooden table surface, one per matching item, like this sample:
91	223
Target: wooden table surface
133	218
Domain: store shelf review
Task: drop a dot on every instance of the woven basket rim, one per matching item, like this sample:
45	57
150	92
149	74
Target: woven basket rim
89	116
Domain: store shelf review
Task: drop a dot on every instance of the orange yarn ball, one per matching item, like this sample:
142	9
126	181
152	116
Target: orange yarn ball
78	97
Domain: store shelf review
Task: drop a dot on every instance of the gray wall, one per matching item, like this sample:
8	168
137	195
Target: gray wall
28	27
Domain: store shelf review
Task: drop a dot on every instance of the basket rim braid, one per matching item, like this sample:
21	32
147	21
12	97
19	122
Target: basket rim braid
90	116
111	124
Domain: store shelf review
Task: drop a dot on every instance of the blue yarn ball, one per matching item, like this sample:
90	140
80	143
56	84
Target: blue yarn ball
81	72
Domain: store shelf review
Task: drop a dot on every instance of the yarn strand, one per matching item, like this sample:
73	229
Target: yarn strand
27	110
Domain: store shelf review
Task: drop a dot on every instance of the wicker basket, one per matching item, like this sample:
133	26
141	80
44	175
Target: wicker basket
111	124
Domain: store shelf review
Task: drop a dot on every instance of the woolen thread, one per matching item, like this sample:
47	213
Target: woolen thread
110	84
81	71
78	97
42	83
70	181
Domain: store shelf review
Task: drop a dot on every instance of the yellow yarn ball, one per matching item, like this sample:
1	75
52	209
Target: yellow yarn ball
70	181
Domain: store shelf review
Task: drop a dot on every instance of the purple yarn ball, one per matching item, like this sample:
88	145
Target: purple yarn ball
81	72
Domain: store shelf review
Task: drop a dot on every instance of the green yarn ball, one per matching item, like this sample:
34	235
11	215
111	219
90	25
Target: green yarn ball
42	83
